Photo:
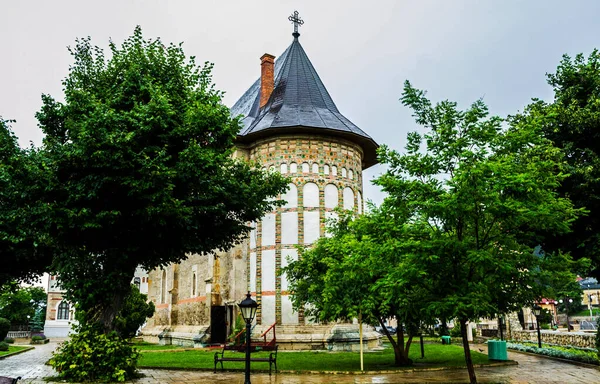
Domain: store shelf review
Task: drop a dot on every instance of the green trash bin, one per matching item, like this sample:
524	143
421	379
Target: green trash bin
497	350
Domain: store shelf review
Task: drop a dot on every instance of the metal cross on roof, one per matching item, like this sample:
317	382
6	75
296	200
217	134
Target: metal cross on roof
294	18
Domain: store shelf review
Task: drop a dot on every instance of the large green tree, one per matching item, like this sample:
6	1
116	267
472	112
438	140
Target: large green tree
20	304
483	191
364	271
572	122
140	154
23	227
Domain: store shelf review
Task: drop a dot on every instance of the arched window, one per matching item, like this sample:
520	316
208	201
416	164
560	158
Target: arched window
334	170
348	198
326	169
63	311
271	169
293	168
305	168
350	174
283	168
315	168
290	196
359	202
331	196
311	195
163	287
343	172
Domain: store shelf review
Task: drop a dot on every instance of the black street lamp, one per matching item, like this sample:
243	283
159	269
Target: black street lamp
248	308
537	311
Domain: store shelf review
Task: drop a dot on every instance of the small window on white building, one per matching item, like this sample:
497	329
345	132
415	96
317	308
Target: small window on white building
305	168
194	284
62	312
350	174
344	172
326	169
293	168
315	168
283	168
334	170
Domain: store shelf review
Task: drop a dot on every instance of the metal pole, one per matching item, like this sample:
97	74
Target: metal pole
537	320
247	379
567	310
360	333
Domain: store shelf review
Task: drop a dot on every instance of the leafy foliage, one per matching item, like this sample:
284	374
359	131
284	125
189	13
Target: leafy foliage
142	170
134	313
4	346
4	327
17	302
91	355
572	123
23	229
362	271
477	195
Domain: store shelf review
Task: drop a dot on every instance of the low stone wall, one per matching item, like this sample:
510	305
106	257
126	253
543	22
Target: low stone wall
576	339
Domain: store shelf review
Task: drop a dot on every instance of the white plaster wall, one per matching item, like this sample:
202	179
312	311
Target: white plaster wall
268	309
311	226
328	217
285	255
331	196
252	271
311	195
268	229
288	315
348	198
268	270
290	196
289	228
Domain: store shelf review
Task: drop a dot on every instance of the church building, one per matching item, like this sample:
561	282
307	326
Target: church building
291	125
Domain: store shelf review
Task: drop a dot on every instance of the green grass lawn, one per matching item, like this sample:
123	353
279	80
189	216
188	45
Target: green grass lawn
436	355
12	349
586	312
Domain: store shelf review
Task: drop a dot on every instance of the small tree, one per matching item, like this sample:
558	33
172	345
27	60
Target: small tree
362	271
21	304
134	313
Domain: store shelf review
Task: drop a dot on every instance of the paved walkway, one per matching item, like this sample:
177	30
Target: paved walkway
531	369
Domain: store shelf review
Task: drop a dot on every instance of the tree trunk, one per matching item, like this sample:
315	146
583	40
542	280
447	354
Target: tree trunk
468	360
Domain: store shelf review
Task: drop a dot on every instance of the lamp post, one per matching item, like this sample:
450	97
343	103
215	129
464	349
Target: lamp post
248	308
590	297
537	311
567	301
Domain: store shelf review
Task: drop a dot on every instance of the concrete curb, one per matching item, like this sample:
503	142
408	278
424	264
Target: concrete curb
16	352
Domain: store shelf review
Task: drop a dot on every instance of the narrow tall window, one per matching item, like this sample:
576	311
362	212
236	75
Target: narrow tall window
163	287
63	311
194	284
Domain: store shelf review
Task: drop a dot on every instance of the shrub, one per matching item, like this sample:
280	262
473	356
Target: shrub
4	328
455	332
91	355
9	340
38	338
134	313
3	346
585	355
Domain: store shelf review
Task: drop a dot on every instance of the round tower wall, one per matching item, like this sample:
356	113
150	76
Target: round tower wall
325	173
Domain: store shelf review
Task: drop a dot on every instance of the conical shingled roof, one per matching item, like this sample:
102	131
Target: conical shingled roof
299	103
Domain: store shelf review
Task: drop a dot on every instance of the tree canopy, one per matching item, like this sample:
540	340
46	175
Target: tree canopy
23	228
572	122
142	173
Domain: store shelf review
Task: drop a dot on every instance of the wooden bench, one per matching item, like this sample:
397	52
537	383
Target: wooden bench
272	359
9	380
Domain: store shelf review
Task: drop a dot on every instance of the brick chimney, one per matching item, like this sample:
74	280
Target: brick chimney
267	77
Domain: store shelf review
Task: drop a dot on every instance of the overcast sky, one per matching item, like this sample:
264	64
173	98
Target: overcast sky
362	50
